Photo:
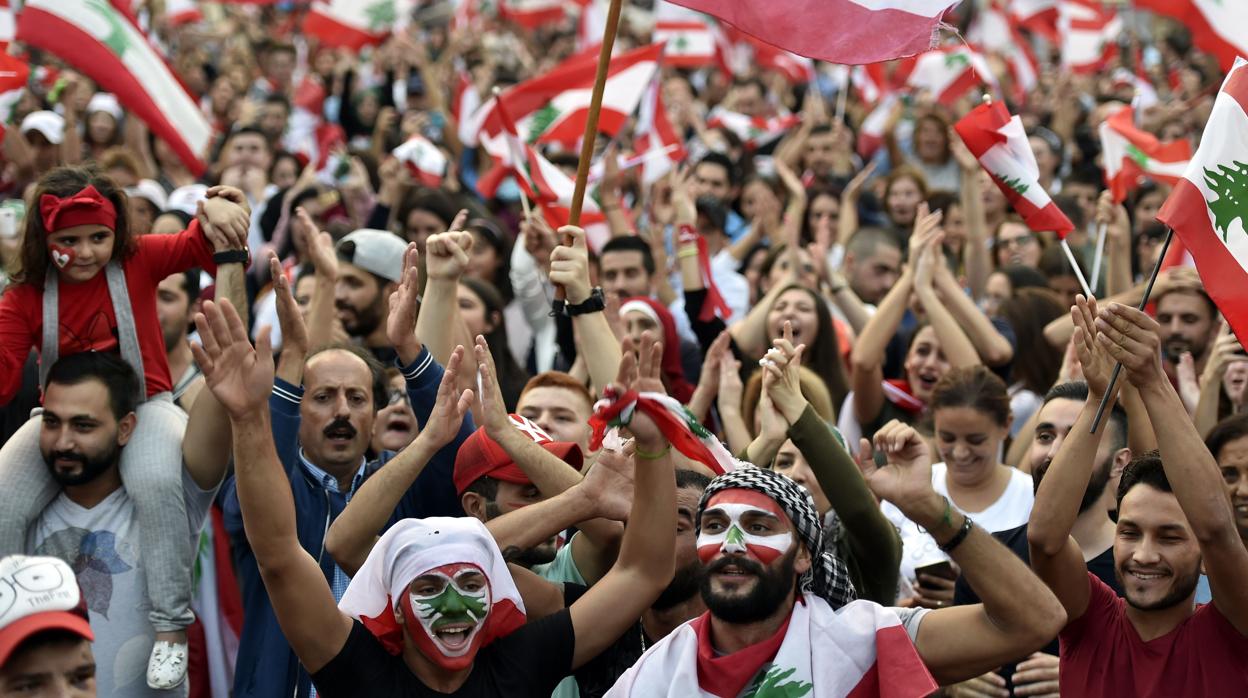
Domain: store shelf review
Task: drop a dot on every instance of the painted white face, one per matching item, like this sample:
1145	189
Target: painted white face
451	604
733	526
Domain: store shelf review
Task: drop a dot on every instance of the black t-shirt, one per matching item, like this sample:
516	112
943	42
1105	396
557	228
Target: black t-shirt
529	662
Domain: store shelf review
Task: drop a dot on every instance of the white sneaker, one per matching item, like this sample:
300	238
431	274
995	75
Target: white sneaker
166	667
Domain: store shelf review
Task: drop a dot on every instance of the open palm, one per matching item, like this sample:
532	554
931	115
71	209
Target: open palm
239	376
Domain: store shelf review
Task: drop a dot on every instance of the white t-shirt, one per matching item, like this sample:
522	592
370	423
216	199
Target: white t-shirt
101	544
1011	510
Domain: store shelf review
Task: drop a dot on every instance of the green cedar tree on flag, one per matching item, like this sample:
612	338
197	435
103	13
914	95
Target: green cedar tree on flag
1000	144
1130	153
1208	208
98	40
354	24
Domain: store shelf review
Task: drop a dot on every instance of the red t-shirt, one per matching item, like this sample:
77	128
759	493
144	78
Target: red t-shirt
1102	655
87	320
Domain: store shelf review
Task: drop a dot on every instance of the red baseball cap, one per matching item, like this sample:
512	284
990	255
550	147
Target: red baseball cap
38	594
481	456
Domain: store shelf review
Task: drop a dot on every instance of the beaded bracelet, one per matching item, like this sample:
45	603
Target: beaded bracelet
651	456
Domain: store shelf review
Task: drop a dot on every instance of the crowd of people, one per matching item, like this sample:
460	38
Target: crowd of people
812	419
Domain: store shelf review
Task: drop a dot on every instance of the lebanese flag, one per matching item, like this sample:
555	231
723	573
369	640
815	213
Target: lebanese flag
948	73
657	144
1089	35
1131	154
552	108
1000	144
1036	16
592	25
998	32
101	43
850	32
686	44
14	73
464	104
870	82
8	27
532	14
754	132
860	650
425	162
1207	207
797	70
871	133
673	419
354	24
1217	26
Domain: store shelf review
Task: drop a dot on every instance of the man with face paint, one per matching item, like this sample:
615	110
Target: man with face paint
355	649
782	616
1174	520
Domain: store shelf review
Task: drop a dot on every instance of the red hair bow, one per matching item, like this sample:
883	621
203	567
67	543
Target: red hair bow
86	207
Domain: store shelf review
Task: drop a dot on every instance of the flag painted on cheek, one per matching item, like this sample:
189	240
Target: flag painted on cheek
734	536
61	256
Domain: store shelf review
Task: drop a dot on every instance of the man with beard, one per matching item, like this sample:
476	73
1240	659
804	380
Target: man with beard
175	297
781	611
1189	324
1173	519
88	418
872	264
370	269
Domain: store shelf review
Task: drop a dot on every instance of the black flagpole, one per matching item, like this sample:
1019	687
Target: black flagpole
1148	291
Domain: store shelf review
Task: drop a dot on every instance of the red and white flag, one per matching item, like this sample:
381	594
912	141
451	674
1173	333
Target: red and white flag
100	42
797	70
1089	34
1037	16
354	24
1217	26
949	73
1131	154
996	31
871	134
179	12
8	26
465	101
851	32
552	108
425	162
754	132
532	14
686	44
1000	144
1208	208
592	25
657	143
14	73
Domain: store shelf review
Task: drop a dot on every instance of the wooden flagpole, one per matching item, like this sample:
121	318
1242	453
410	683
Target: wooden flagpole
591	130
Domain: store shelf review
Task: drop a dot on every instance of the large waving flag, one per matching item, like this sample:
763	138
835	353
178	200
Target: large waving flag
1217	26
1000	144
1209	206
1089	35
552	108
1039	16
354	24
1130	153
532	14
851	32
99	41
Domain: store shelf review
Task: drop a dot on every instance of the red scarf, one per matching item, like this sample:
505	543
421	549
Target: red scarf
726	676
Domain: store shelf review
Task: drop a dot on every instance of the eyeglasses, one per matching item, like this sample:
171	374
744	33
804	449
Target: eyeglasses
1019	241
397	396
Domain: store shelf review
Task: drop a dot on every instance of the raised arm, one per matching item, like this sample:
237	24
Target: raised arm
321	318
989	344
1131	337
866	361
954	343
847	223
241	377
1055	555
1018	615
647	557
353	533
569	267
439	324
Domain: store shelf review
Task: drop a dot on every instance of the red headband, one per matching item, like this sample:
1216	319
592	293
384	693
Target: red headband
85	207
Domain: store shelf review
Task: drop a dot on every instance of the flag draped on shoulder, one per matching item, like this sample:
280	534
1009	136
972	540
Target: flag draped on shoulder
838	31
98	40
1217	26
1130	153
1208	208
1000	144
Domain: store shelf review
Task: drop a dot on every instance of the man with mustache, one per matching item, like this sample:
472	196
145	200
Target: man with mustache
1174	520
781	611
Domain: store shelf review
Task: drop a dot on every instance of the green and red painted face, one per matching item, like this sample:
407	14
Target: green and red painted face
445	612
743	522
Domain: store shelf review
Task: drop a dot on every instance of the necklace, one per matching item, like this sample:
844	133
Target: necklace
641	632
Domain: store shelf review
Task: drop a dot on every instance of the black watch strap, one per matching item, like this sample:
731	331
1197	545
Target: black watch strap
595	303
242	256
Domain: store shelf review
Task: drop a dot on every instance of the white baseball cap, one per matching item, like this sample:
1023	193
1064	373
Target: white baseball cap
105	102
48	123
150	190
378	252
41	593
185	198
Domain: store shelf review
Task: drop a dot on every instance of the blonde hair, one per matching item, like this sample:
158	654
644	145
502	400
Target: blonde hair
813	389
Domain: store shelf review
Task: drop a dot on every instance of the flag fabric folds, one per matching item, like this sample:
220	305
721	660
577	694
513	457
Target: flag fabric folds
1130	153
1217	26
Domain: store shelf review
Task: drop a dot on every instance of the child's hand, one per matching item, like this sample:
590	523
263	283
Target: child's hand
228	220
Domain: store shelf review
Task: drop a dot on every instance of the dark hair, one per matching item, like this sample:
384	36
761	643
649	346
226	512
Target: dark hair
434	201
278	99
1070	206
1028	311
46	638
1144	469
1078	391
942	200
1023	276
190	285
714	158
715	212
1097	483
485	487
511	377
813	193
380	387
1054	263
63	182
824	355
1226	431
279	156
975	387
249	130
111	370
630	243
691	479
867	239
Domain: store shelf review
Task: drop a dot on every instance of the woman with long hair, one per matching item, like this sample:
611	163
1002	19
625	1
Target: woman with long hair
1034	372
481	306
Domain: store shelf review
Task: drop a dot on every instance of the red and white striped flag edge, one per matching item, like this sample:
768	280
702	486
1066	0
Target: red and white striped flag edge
1217	26
354	24
426	163
851	32
1000	144
1208	208
99	41
1129	153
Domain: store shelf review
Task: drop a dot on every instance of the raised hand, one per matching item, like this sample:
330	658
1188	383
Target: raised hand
609	484
493	412
289	319
1094	361
569	266
730	387
320	245
401	323
906	480
232	194
447	255
640	371
964	156
854	188
239	376
451	406
1131	339
539	240
783	363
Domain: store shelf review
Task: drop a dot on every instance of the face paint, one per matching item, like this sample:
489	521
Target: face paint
61	256
446	621
733	537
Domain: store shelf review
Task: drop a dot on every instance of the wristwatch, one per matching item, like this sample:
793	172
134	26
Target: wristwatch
242	256
594	304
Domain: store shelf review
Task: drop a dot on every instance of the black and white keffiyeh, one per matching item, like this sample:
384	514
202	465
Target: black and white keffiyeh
828	577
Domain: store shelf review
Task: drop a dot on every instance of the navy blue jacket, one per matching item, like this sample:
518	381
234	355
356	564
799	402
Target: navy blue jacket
267	667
